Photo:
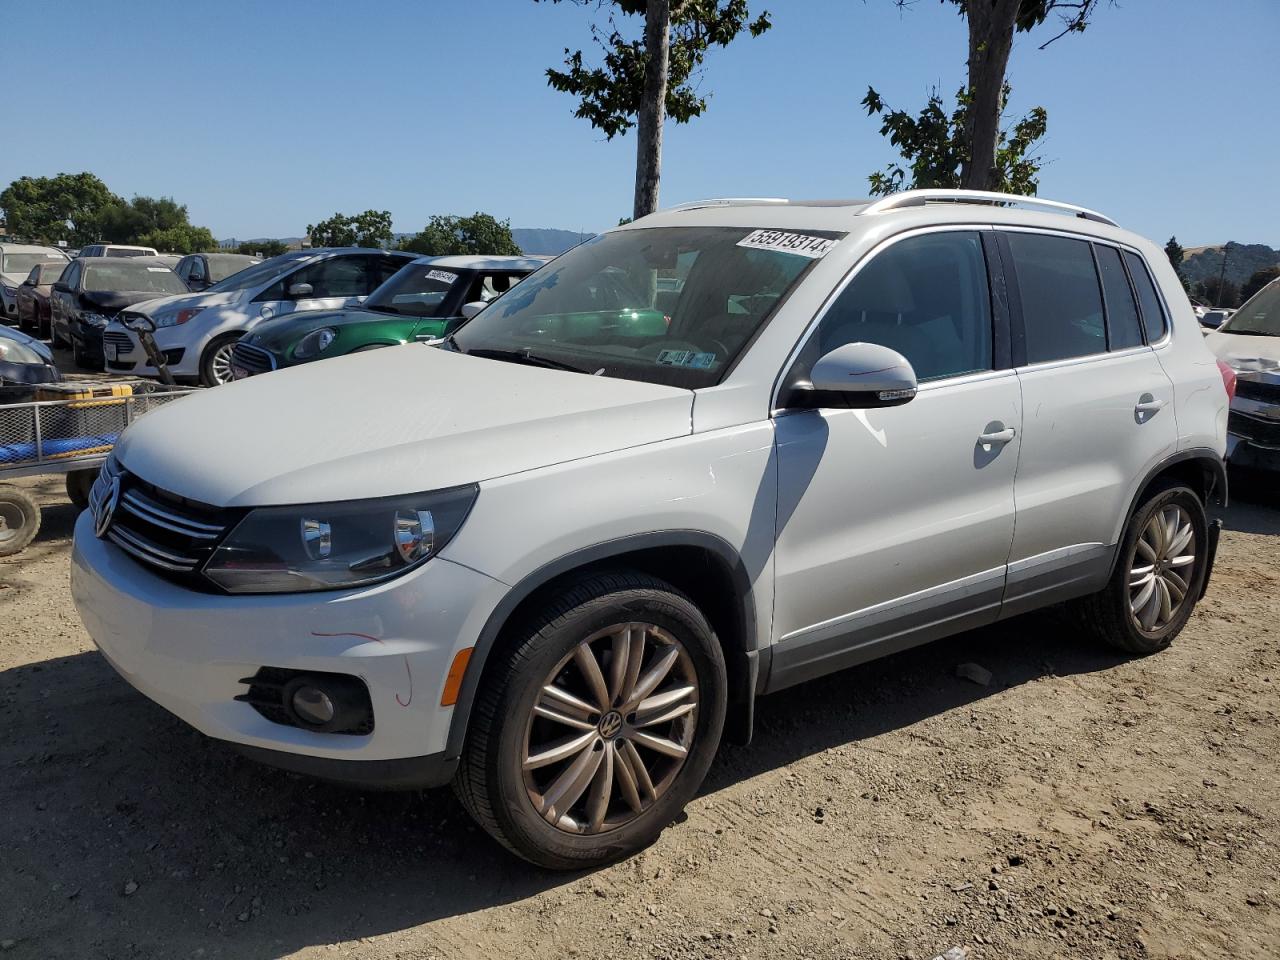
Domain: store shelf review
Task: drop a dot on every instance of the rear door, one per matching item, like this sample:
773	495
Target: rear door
1098	411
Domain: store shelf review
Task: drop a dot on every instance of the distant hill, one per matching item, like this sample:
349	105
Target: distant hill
1243	260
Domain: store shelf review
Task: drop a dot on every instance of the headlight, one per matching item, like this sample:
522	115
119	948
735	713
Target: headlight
10	291
314	343
95	319
13	352
329	546
173	319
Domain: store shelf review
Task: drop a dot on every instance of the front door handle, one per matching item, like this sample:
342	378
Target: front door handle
997	436
1147	407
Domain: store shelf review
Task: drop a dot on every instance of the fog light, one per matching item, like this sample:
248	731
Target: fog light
312	705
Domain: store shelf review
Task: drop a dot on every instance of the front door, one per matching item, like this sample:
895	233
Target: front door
894	525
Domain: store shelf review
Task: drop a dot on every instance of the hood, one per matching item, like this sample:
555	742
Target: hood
394	421
1245	353
114	301
283	331
182	301
14	279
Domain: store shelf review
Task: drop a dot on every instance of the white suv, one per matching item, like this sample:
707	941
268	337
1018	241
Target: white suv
705	456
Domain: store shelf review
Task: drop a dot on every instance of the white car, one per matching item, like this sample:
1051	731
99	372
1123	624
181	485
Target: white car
554	557
196	333
117	250
1249	342
16	263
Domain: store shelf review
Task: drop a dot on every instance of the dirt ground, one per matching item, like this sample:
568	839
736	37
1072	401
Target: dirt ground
1081	805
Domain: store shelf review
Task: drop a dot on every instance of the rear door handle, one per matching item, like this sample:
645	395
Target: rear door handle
998	436
1147	407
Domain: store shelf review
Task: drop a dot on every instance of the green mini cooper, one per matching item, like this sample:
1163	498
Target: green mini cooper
425	300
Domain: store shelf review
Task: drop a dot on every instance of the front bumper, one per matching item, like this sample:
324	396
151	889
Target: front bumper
124	354
188	651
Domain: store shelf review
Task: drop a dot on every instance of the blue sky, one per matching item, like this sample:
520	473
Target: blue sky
265	116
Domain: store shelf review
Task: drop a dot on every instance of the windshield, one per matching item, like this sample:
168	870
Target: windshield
263	273
102	274
223	265
418	290
1260	315
23	262
671	305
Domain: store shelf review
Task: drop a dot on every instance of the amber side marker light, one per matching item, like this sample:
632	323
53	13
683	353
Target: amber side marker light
453	682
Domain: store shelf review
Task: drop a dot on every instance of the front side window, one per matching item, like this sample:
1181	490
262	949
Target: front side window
195	269
1123	326
1152	313
612	306
1061	300
926	297
264	272
72	276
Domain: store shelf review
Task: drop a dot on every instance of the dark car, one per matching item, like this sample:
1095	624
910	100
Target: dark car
24	362
200	271
93	290
424	300
33	297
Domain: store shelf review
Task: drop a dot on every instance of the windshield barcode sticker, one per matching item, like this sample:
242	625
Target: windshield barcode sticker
444	276
798	243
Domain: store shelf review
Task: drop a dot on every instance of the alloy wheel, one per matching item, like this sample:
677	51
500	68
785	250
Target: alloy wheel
1160	569
220	364
611	729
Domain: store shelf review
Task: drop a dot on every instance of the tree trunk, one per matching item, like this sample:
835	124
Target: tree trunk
991	25
653	107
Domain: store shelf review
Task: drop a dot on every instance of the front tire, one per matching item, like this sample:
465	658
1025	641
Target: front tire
596	724
215	362
19	520
1159	574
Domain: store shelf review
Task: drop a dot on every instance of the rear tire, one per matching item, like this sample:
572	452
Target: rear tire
634	778
19	520
1158	574
79	483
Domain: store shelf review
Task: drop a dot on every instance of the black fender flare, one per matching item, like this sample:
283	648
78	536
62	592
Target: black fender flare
594	555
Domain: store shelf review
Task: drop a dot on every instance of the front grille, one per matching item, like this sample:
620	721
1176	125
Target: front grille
120	339
1257	429
169	534
1258	390
252	360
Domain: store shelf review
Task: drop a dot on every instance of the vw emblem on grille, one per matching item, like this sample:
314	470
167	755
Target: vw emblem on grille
610	725
106	508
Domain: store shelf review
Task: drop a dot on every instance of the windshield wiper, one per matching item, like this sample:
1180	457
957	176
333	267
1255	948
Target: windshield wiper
517	356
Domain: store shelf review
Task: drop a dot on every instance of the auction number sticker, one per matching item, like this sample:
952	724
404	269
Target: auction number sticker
158	270
444	276
686	358
799	243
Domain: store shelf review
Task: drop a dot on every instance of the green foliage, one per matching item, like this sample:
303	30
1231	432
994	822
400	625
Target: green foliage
369	229
1257	280
263	248
478	234
180	239
936	146
1219	293
67	207
609	95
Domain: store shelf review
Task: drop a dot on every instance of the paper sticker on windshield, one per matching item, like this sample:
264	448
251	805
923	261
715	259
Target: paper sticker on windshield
686	358
799	243
444	276
158	270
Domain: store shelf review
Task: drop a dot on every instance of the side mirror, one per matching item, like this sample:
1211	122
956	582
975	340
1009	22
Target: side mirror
857	375
300	290
60	287
469	310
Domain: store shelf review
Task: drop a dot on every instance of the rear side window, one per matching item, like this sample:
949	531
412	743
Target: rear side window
1152	312
1123	328
1061	300
925	297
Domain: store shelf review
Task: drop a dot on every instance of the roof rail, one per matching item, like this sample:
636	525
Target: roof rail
918	198
725	202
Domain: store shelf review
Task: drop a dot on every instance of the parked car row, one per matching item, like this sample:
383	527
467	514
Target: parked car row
17	260
1249	342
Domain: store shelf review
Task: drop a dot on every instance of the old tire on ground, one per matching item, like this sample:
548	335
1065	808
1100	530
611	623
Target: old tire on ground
1159	573
19	520
215	362
596	722
79	483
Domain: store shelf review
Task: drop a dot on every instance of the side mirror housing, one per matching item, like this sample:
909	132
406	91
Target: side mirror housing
857	375
60	287
301	290
469	310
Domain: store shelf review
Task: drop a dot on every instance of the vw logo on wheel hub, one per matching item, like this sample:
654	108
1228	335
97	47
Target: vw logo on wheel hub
106	508
611	724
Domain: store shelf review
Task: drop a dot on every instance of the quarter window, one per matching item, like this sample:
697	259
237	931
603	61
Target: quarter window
925	297
1123	327
1061	299
1152	312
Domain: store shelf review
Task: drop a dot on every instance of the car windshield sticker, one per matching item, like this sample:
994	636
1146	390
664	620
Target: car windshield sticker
799	243
444	276
686	358
158	270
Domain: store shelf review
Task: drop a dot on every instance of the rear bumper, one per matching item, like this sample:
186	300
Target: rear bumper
1249	454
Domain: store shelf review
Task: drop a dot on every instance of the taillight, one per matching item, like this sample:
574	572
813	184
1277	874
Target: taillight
1228	379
